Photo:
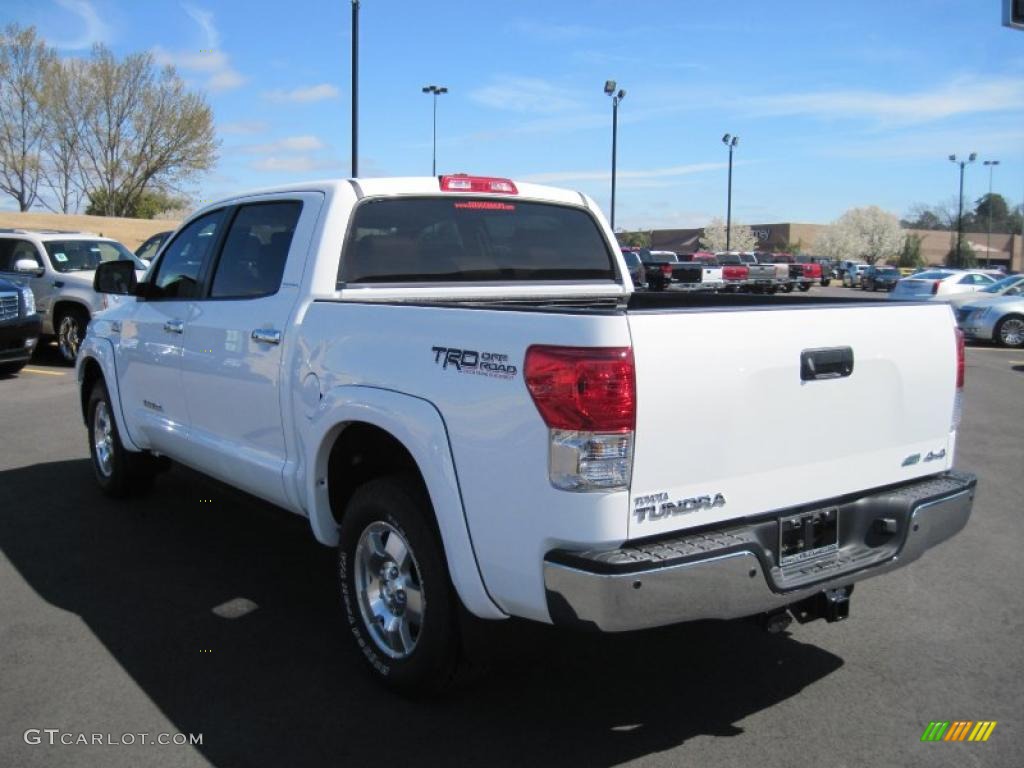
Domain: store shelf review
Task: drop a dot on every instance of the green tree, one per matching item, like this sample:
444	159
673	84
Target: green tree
636	239
910	256
148	205
965	259
992	208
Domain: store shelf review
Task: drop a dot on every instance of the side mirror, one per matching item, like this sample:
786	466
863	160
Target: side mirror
116	277
28	267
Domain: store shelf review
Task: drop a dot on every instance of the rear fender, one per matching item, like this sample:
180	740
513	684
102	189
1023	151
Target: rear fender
418	426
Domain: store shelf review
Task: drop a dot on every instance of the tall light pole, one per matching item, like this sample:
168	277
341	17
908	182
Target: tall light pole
957	258
355	88
609	89
988	237
436	90
731	142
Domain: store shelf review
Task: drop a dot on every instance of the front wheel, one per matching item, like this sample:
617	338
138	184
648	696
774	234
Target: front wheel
118	471
824	283
71	325
9	369
1009	332
805	287
400	607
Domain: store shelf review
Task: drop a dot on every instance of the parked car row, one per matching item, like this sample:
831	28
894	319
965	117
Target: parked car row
57	267
995	313
756	272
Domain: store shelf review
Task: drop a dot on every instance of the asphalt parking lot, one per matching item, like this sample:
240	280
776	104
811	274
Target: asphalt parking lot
107	626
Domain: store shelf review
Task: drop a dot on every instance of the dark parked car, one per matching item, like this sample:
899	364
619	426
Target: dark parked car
879	277
20	325
151	247
636	268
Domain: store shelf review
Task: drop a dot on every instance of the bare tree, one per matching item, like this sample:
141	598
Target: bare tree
142	130
66	108
23	60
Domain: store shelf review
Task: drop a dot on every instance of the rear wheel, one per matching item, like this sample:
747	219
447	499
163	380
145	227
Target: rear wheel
71	325
400	607
1010	331
805	287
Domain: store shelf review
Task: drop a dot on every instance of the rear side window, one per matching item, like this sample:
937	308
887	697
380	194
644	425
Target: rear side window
457	239
177	274
252	260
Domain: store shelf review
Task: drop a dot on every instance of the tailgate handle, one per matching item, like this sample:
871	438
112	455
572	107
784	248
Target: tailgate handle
833	363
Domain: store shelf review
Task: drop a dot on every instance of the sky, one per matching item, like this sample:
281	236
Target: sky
836	105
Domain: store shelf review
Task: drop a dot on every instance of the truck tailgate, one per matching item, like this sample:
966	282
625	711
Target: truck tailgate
727	427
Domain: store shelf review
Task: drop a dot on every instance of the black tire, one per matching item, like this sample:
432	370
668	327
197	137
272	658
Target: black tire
788	288
805	287
70	325
997	334
399	505
123	473
9	369
824	283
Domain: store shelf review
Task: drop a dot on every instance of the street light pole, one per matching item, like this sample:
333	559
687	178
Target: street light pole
609	89
988	237
958	257
355	88
436	90
729	141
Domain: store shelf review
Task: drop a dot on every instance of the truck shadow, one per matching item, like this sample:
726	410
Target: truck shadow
279	685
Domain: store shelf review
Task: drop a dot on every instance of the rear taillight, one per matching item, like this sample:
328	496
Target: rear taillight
935	287
587	398
666	270
460	182
960	359
958	397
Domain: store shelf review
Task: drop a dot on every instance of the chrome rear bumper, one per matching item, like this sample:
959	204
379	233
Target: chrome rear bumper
733	572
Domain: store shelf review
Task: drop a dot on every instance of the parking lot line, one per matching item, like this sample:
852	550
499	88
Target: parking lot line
44	373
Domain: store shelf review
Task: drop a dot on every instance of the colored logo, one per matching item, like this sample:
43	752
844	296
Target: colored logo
958	730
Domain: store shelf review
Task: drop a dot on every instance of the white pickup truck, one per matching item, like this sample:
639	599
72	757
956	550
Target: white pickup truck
453	380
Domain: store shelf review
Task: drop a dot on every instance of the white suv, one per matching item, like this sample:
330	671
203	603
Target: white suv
58	267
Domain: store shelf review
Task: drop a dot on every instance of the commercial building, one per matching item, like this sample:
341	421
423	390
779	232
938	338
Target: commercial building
1006	251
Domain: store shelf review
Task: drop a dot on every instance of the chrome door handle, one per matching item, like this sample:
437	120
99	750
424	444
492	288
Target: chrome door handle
266	335
174	326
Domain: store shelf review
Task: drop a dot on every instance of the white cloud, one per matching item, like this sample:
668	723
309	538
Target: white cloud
243	127
525	94
93	29
605	174
287	144
961	96
294	164
209	60
305	94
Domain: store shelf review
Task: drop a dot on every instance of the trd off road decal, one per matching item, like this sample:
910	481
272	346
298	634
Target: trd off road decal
493	364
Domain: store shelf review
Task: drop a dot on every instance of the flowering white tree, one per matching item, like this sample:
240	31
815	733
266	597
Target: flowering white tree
742	239
862	233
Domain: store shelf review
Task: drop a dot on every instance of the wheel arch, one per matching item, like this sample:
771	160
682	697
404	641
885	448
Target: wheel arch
96	363
384	432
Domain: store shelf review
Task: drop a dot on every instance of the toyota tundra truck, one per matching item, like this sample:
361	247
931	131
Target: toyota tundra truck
453	380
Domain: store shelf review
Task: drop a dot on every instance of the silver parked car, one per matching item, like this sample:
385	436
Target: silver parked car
1008	286
999	319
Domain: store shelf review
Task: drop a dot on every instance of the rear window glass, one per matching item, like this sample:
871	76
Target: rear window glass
458	239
